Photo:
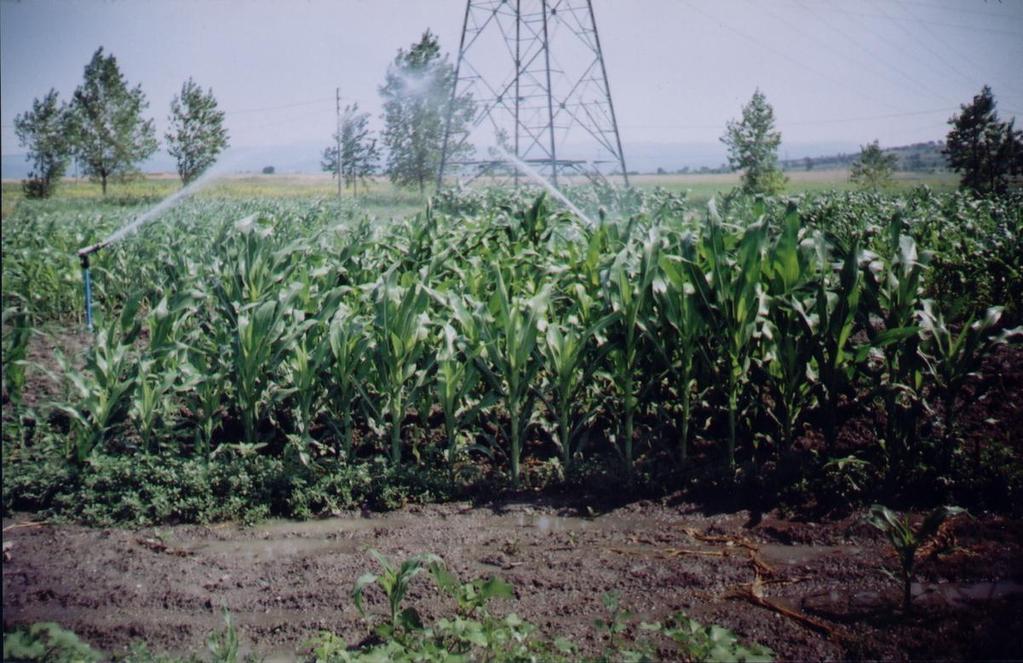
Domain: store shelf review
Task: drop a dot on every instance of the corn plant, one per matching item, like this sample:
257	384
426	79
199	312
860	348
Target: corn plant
827	321
628	291
680	340
399	351
394	580
906	540
893	293
302	363
17	330
508	331
456	381
257	351
348	344
570	361
152	403
788	350
952	359
725	270
102	390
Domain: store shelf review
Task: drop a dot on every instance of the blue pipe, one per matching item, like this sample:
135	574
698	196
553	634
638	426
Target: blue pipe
88	298
83	256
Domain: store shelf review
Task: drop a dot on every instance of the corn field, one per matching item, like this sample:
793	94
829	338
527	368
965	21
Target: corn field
493	333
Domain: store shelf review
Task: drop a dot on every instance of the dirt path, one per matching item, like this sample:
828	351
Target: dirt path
285	581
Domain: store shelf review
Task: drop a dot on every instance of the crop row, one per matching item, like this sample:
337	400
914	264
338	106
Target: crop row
297	330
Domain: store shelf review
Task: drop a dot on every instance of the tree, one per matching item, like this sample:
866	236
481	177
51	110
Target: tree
753	147
359	154
197	133
416	95
983	150
43	131
873	169
109	134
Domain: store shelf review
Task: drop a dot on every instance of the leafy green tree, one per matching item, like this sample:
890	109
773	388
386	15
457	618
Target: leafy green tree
986	152
43	130
109	133
416	96
753	147
873	169
359	153
197	133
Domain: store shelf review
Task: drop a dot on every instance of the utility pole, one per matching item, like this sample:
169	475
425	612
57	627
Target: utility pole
338	136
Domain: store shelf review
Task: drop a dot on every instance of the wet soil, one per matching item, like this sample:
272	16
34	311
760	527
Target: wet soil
284	581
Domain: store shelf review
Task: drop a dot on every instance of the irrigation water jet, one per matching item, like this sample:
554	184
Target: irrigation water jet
531	172
211	174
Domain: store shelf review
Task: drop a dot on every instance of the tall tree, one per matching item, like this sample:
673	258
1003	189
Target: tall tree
359	154
197	133
43	131
109	133
753	147
983	150
873	168
416	95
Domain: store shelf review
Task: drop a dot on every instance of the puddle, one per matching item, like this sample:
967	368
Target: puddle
781	554
953	594
268	550
961	594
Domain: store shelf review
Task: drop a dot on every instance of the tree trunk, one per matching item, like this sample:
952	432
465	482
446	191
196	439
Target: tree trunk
103	182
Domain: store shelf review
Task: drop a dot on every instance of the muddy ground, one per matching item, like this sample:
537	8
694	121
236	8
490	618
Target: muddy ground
284	581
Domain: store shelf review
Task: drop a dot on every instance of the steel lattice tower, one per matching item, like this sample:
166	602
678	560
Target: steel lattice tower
535	70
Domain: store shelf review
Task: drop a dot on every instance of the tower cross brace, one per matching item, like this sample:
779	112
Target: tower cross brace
535	71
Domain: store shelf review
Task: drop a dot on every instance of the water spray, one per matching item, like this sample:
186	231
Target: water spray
213	173
83	257
540	179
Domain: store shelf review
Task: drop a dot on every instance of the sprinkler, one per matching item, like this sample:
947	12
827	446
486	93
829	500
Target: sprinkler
83	256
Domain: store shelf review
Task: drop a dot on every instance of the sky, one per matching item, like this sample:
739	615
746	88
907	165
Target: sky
839	73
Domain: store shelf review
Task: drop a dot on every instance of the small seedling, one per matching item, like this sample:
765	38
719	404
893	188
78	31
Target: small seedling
906	541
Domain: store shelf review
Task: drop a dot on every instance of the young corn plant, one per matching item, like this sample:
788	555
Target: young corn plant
455	383
104	387
349	345
893	293
682	330
628	290
827	322
152	404
17	330
725	269
570	362
259	348
906	540
394	580
508	332
952	359
399	350
788	350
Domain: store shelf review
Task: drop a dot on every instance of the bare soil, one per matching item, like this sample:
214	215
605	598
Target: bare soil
285	581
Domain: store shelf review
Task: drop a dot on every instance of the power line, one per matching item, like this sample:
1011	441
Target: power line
957	26
805	122
273	108
884	63
935	53
795	61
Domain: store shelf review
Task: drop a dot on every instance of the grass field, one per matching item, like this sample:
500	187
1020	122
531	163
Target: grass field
383	199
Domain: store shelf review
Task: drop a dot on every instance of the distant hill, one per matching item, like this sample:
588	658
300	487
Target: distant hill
918	157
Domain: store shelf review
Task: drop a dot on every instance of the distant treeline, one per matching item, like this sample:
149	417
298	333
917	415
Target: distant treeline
918	157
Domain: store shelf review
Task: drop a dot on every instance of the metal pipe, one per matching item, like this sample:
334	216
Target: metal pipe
83	257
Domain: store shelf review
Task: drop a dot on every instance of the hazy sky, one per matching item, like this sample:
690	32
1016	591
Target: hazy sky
835	71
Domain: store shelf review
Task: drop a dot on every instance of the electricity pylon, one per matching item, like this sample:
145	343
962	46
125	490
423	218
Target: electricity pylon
535	70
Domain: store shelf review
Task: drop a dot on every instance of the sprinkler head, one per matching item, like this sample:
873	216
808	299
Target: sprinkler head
83	254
